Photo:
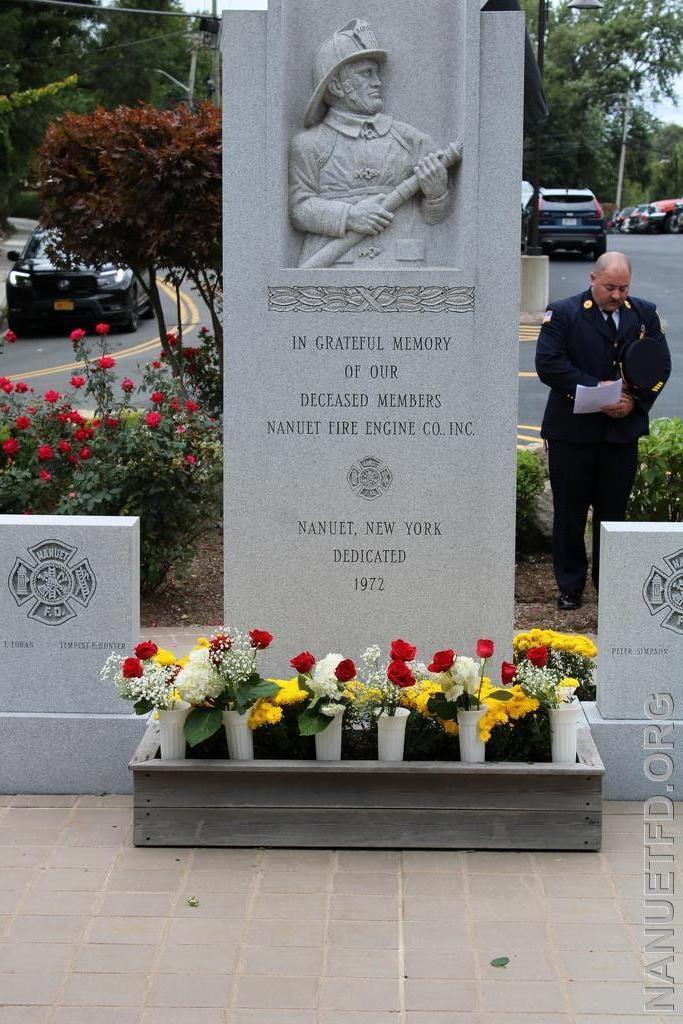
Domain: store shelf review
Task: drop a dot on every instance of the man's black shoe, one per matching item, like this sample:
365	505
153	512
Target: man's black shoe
568	602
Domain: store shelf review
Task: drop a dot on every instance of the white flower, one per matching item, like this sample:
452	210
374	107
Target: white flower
198	679
330	709
324	682
465	673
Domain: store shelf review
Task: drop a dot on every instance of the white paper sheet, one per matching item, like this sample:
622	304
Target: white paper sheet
595	399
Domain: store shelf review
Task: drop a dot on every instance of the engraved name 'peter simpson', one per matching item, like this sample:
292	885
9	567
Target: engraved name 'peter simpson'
362	184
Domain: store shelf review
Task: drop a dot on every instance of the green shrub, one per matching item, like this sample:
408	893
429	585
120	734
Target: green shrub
163	465
657	494
530	483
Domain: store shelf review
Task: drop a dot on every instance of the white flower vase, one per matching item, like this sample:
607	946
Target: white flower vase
328	743
472	748
391	734
239	736
564	724
171	735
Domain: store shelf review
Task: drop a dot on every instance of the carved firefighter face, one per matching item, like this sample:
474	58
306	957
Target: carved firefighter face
357	88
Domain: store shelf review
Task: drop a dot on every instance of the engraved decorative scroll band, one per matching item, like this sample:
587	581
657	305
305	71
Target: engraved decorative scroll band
358	299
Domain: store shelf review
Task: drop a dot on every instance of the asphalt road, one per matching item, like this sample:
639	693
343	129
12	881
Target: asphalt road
657	276
48	362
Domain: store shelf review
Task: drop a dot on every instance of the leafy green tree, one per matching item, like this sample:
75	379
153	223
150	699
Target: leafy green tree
40	49
591	61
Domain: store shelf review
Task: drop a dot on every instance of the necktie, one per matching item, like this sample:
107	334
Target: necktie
612	327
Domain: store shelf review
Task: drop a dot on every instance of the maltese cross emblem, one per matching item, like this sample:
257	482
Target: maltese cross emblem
369	478
52	580
663	591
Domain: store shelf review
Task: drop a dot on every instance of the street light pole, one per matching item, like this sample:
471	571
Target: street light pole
622	154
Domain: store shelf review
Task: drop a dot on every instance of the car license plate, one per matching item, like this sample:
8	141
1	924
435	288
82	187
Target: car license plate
64	304
569	222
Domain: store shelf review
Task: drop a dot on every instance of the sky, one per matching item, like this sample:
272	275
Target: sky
665	111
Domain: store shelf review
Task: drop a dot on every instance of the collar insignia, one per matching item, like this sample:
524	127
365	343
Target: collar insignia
588	304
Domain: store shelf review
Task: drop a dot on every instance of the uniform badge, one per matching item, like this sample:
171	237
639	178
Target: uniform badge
642	332
627	303
588	304
547	316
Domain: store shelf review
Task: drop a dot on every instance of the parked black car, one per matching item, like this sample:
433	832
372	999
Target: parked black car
571	218
39	294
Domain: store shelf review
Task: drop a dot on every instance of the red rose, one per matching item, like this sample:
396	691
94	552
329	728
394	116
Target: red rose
155	364
84	453
8	387
303	662
76	417
442	661
62	417
22	422
11	446
401	650
45	452
171	338
145	650
132	669
111	422
127	385
538	656
102	329
10	336
105	362
72	459
77	382
191	405
484	648
77	335
157	397
175	405
508	671
64	447
21	387
153	419
399	674
191	459
83	434
44	475
260	639
345	670
51	397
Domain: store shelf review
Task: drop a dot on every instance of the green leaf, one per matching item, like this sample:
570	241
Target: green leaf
499	695
442	708
311	721
193	901
202	723
501	961
143	707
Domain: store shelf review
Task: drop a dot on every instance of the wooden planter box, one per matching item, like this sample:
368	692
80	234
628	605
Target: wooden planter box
368	804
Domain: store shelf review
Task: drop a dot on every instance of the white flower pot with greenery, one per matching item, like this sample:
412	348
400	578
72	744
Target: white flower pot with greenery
171	735
472	747
328	743
564	724
239	736
391	734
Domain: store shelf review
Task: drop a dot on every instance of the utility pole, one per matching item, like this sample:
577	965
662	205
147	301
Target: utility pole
196	43
622	155
216	62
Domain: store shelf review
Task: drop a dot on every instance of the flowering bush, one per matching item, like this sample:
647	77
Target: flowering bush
164	466
201	370
148	678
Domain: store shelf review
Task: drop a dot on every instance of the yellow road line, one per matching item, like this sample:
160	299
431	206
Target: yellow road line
526	426
525	437
527	373
190	315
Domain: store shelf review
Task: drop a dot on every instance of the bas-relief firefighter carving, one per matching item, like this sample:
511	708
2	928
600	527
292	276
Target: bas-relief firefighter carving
351	156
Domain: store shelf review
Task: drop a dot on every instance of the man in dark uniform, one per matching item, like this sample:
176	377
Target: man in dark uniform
593	457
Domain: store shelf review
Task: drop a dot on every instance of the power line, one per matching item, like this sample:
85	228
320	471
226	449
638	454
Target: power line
112	10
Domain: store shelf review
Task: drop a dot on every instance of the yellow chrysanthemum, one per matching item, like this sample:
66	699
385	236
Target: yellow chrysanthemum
202	641
264	712
501	712
164	657
572	644
569	683
289	692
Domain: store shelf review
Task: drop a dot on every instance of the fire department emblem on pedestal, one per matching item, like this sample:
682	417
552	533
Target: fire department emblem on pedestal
664	591
52	580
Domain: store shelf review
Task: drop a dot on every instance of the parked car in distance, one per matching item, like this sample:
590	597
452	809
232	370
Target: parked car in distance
676	226
620	219
663	215
570	219
40	294
639	219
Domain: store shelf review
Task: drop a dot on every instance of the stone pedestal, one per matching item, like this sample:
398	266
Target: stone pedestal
639	706
70	598
371	404
535	283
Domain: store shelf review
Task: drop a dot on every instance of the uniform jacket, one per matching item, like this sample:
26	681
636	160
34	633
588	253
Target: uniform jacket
336	164
575	346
